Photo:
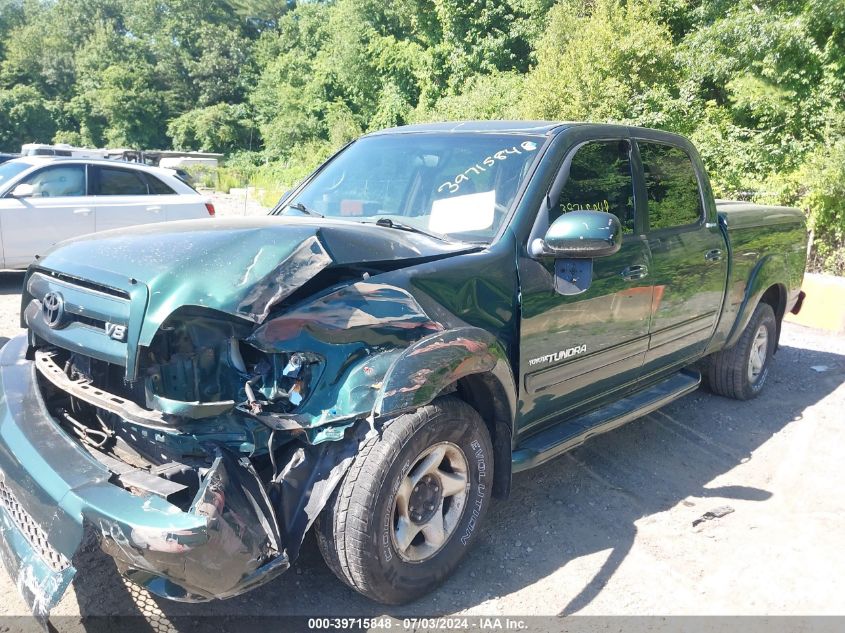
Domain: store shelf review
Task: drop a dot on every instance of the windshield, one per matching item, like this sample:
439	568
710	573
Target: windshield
9	170
458	185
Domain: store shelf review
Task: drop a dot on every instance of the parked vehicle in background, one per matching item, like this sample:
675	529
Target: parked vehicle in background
198	165
181	162
434	308
45	200
6	157
62	150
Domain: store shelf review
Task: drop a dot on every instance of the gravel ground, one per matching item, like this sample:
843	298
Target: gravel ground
608	528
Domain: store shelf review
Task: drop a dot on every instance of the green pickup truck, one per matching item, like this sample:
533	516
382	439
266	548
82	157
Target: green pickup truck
433	309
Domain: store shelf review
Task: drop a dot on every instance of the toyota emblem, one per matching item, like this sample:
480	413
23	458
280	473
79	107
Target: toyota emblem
53	307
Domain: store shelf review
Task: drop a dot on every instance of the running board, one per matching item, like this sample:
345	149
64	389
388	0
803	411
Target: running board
573	432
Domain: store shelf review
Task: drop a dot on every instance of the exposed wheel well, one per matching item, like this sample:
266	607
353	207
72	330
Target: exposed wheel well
484	393
775	296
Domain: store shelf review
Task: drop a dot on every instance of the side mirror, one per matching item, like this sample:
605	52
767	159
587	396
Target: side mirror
23	190
580	235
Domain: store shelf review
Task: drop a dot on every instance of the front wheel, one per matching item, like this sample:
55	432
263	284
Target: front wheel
411	504
740	371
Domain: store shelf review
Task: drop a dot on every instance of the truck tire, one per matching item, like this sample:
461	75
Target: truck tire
411	504
740	371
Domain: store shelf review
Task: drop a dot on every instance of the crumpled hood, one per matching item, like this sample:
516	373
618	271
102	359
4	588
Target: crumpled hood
240	266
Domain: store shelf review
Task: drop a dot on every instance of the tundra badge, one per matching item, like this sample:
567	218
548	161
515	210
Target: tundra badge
561	355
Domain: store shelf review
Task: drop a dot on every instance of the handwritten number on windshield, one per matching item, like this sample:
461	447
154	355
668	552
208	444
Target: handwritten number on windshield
454	184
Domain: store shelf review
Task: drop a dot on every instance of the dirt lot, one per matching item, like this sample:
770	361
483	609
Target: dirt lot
607	529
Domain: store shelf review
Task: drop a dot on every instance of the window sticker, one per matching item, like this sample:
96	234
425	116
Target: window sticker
351	207
472	212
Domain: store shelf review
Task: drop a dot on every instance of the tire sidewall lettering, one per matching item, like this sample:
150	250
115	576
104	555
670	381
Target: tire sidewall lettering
475	452
476	502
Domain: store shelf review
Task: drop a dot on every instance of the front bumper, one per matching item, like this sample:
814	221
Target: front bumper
51	487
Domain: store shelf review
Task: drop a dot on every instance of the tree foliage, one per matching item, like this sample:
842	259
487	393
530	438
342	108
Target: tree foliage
759	85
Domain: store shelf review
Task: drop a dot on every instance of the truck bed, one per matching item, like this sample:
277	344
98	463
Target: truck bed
739	215
760	236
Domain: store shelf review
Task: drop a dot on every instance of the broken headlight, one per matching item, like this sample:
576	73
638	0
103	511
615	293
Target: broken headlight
200	365
282	382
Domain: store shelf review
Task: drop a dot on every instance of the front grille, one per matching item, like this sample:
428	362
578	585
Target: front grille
84	283
83	310
33	533
97	324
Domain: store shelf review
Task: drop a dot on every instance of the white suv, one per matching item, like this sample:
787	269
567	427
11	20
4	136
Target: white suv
44	200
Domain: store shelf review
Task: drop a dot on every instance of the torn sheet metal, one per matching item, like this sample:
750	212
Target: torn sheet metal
357	331
304	486
240	538
302	265
433	363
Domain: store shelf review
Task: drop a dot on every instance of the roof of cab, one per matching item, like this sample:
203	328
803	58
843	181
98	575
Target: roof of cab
502	127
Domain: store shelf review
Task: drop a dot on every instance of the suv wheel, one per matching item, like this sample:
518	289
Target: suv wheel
740	372
411	504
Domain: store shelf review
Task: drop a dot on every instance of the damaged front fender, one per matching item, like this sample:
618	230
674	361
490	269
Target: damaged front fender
434	363
358	331
382	355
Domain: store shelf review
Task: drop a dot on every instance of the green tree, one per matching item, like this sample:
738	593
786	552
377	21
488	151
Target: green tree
603	61
757	74
24	118
11	17
493	96
222	127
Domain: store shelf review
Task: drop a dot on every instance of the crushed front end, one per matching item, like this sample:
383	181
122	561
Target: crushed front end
194	392
190	456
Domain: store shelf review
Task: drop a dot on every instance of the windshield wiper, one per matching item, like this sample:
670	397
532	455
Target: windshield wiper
301	207
387	222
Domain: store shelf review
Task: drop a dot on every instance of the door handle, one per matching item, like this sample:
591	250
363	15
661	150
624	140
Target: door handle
713	255
632	273
82	211
155	209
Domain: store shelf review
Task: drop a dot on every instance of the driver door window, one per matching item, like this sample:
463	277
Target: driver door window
58	182
600	179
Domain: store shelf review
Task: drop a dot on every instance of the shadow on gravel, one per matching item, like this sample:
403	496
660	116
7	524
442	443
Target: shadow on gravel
11	283
585	503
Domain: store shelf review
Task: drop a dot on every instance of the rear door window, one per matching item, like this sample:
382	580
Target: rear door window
671	186
119	182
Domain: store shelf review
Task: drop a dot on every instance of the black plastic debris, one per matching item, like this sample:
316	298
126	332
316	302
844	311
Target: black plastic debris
716	513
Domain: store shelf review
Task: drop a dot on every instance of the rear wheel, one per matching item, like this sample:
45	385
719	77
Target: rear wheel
740	371
411	504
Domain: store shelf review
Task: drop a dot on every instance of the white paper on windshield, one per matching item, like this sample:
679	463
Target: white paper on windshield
472	212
